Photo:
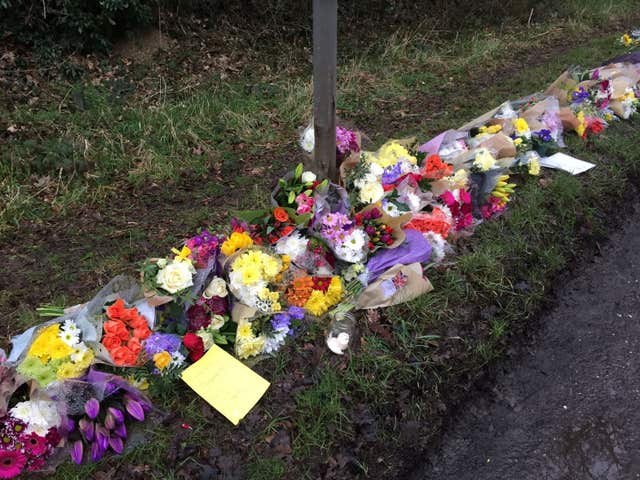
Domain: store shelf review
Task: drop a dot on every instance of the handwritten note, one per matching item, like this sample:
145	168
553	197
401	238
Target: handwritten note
225	383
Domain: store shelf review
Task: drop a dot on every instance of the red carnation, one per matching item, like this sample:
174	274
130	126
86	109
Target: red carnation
195	345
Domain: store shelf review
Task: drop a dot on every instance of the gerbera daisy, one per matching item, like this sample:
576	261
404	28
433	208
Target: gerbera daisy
11	463
34	444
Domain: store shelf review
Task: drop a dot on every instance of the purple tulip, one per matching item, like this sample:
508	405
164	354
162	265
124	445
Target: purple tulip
102	437
87	429
71	425
116	444
109	421
77	450
121	431
117	415
134	408
96	452
92	407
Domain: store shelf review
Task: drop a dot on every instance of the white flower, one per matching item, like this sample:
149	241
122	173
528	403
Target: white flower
39	415
177	359
293	245
176	276
376	170
70	326
207	338
339	343
71	338
413	201
78	352
438	246
307	140
390	209
162	263
308	177
352	249
371	192
217	321
216	288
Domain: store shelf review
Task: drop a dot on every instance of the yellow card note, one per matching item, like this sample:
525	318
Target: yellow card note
225	383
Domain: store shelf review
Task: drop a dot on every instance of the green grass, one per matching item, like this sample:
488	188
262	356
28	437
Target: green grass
202	144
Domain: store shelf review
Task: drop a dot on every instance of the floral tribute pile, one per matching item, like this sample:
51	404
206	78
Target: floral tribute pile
320	251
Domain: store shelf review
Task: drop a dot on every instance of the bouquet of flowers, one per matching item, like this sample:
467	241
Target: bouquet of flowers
56	353
29	437
124	332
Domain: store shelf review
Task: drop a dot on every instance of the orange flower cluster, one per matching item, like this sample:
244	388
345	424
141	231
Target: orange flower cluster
435	168
436	221
124	331
300	291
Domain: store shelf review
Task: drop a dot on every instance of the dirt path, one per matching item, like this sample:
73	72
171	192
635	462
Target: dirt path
566	408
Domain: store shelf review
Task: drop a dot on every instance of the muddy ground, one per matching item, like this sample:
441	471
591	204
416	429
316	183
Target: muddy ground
563	407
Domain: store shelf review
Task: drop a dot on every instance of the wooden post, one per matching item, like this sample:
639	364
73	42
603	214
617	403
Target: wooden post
325	46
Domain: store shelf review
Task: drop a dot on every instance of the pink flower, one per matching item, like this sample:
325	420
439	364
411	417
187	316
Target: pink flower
11	463
303	209
34	444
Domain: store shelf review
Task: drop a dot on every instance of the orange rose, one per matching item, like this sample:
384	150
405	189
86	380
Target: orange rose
117	328
280	214
138	322
117	311
122	356
134	345
142	333
111	341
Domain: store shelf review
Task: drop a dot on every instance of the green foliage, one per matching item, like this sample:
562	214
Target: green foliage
84	24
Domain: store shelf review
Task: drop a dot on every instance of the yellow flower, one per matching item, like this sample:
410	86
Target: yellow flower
86	359
244	331
521	126
608	117
162	360
142	384
334	292
235	242
69	370
250	275
60	350
317	304
534	167
626	40
582	125
484	160
391	153
276	307
517	141
490	129
250	347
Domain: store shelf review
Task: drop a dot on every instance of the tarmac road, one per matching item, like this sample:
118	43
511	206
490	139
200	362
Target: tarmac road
567	408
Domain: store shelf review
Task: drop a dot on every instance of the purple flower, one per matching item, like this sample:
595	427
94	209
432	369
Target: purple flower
102	436
97	452
116	444
134	408
116	414
92	407
595	75
346	140
544	135
281	321
121	430
162	342
391	174
296	312
77	450
579	95
87	429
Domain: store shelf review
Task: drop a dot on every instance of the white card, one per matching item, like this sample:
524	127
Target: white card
565	162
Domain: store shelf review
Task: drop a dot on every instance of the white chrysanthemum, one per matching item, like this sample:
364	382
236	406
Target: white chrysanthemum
390	209
371	192
39	415
70	326
293	245
79	351
353	250
70	338
438	246
177	359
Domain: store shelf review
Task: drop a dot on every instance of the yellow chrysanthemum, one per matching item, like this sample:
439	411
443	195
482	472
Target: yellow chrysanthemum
484	160
517	141
244	331
391	153
250	347
521	126
335	291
